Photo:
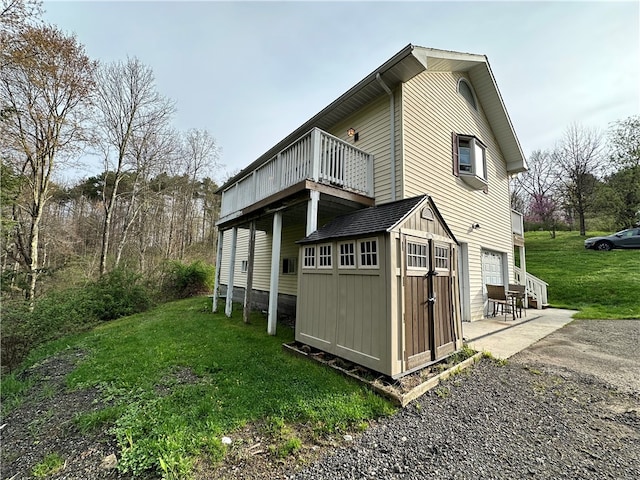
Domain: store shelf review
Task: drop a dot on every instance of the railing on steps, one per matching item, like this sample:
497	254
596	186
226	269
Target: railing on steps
536	288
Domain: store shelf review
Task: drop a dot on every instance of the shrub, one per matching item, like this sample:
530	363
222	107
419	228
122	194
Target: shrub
117	294
184	281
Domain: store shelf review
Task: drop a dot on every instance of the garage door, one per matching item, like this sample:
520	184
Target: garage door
492	268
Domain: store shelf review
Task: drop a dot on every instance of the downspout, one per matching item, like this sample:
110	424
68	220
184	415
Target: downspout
392	121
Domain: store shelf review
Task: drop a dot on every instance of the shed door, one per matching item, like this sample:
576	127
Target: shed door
429	318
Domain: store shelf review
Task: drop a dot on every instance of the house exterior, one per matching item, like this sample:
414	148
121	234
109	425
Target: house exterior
426	121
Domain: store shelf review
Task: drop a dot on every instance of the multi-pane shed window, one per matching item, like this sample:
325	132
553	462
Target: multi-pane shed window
324	256
347	255
441	254
368	253
417	255
470	160
309	257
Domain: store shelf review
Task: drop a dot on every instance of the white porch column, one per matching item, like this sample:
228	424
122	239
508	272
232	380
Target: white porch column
228	308
216	284
248	290
312	212
275	273
523	279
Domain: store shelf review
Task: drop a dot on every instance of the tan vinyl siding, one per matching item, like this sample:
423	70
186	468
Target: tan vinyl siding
262	262
432	110
372	124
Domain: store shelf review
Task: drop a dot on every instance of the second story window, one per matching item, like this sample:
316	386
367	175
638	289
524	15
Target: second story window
470	160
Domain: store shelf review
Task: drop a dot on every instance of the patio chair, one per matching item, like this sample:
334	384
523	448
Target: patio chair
498	296
518	292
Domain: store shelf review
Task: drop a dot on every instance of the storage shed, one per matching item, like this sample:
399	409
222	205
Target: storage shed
378	287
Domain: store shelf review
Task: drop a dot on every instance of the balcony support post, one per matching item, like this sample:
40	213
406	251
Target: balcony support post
248	291
312	212
216	283
228	308
275	273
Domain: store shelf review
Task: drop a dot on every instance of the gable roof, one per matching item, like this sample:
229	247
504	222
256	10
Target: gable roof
404	65
380	218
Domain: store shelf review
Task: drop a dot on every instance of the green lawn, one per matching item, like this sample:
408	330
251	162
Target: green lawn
178	378
599	284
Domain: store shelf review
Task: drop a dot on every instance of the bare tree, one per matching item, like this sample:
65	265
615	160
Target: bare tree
578	161
46	81
199	154
129	105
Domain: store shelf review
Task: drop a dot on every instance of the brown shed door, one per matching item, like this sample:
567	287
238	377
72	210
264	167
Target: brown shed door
429	321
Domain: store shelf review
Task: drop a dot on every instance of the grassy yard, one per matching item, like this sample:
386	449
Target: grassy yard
178	378
599	284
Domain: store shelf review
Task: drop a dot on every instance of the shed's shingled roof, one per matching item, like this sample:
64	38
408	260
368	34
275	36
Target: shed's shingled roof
366	221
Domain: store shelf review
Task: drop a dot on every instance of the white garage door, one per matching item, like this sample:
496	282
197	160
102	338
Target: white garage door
492	268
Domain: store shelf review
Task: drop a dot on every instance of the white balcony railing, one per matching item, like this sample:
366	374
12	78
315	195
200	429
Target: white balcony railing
316	156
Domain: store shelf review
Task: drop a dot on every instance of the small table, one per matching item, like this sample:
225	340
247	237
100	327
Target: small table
512	296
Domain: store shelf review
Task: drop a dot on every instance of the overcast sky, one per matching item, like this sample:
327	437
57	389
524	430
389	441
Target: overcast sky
251	72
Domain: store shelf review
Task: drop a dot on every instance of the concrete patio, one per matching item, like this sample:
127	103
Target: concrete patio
504	338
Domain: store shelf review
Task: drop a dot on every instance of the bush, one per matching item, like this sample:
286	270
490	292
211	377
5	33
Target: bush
118	294
183	281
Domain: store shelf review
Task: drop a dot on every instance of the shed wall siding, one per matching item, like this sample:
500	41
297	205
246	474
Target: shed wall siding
432	110
346	312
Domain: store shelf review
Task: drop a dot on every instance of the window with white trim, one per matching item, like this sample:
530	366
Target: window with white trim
289	266
324	256
441	257
368	253
417	255
347	255
309	257
470	160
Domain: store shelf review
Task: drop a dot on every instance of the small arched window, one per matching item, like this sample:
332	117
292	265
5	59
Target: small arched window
465	90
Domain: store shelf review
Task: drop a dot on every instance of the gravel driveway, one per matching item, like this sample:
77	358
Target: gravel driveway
567	407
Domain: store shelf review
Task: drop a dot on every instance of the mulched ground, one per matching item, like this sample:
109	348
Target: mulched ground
567	407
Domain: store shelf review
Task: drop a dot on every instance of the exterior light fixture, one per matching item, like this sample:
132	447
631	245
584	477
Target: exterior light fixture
352	133
475	226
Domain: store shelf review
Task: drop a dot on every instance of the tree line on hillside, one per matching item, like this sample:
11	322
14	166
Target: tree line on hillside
154	198
589	180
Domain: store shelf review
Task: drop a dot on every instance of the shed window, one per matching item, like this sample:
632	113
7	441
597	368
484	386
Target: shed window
441	255
324	256
289	266
309	257
417	255
368	253
348	255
